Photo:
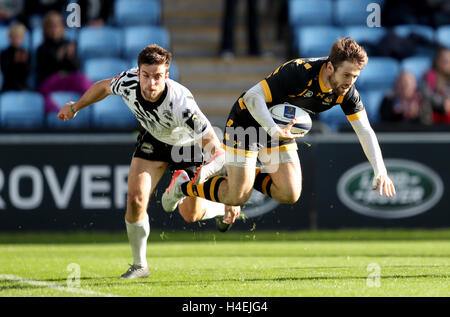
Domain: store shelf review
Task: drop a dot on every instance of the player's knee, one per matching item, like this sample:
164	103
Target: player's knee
190	218
136	202
239	199
290	196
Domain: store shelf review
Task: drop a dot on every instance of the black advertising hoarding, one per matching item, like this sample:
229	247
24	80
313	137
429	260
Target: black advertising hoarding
78	182
65	182
418	165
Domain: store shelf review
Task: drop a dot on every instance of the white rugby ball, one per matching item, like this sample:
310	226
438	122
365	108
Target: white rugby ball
283	113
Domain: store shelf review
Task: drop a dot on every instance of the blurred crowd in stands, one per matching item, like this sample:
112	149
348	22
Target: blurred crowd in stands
405	86
46	63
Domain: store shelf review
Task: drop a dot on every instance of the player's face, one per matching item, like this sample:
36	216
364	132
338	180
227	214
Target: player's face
343	77
152	79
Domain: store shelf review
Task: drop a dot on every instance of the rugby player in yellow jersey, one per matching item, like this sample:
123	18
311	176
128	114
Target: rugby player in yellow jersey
315	84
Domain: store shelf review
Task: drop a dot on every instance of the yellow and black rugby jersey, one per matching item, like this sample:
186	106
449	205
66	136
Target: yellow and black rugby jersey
298	82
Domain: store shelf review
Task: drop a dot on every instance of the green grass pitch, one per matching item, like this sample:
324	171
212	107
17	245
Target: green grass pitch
364	263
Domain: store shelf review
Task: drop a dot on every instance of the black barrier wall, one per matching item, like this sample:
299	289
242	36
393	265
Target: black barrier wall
79	182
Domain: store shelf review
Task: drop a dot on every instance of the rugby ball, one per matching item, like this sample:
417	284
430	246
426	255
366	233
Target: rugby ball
282	114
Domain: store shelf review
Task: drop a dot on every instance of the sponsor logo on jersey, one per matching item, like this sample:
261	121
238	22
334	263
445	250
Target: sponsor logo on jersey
418	189
147	148
308	94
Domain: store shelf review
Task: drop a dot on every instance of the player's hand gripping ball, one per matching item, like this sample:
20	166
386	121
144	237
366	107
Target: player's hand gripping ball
283	114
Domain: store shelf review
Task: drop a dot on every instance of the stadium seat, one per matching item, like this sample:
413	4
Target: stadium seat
137	12
4	39
353	12
310	12
425	31
334	118
99	42
101	68
405	30
316	41
138	37
371	100
379	73
113	114
80	122
35	21
173	71
443	35
418	65
363	34
22	110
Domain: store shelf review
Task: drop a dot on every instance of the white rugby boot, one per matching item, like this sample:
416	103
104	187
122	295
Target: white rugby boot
173	195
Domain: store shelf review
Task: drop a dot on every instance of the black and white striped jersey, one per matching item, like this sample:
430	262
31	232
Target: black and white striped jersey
174	119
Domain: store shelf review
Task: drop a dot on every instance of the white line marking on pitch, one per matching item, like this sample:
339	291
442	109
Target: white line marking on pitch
55	286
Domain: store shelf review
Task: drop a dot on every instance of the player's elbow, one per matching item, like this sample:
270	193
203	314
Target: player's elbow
189	218
104	86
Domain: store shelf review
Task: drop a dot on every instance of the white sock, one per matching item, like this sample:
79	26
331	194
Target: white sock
138	233
213	209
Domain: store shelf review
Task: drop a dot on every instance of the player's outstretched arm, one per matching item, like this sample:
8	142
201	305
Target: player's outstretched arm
371	148
98	91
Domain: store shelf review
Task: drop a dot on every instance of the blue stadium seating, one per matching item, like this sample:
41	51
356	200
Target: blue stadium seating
138	37
80	122
371	100
35	21
379	73
443	35
353	12
99	42
364	34
405	30
418	65
113	114
102	68
316	41
174	73
310	12
137	12
335	118
22	110
427	32
4	38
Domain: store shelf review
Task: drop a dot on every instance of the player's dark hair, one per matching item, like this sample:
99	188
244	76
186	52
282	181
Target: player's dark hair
346	49
154	55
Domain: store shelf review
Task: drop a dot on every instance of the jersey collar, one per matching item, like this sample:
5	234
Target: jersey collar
322	85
